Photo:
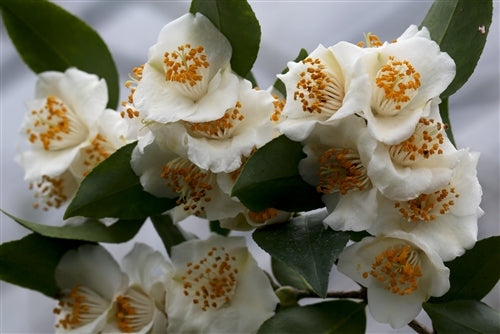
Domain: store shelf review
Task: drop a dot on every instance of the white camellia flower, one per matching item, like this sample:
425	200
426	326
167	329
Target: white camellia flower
334	166
187	75
399	272
165	173
70	131
90	280
406	77
217	287
446	219
321	88
423	163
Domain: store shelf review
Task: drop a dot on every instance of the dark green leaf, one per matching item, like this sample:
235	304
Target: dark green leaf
460	28
215	227
236	20
463	316
339	316
169	233
31	261
287	276
278	84
271	179
113	190
91	230
50	39
443	111
475	273
358	236
306	246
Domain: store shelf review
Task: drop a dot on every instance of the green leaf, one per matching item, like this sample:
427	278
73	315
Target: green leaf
306	246
31	261
287	276
475	273
271	179
215	227
91	230
50	39
278	84
112	189
463	316
339	316
236	20
443	111
169	233
457	26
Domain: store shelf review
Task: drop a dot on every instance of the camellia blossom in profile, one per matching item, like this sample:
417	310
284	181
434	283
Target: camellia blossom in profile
187	75
407	76
399	272
445	219
217	287
70	131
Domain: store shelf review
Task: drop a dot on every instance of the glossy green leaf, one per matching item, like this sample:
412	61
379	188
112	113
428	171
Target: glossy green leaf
112	189
339	316
50	39
271	179
91	230
443	111
287	276
215	227
278	84
463	316
475	273
236	20
460	28
306	246
169	233
30	262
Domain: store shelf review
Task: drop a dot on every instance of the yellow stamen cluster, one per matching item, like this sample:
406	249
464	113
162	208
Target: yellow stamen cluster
135	77
397	268
426	141
95	153
399	81
190	182
263	216
49	192
83	306
279	105
52	123
372	41
427	206
185	64
211	282
220	128
341	170
318	90
124	312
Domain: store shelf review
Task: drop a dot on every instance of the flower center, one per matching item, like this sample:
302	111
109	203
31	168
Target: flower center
49	192
98	150
190	182
319	90
220	128
341	170
372	41
425	142
55	126
263	216
134	310
397	82
135	77
427	206
211	282
187	68
79	307
398	269
279	105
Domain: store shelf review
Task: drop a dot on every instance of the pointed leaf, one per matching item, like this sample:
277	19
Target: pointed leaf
169	233
112	189
287	276
31	261
339	316
91	230
306	246
475	273
236	20
271	179
463	316
460	28
50	39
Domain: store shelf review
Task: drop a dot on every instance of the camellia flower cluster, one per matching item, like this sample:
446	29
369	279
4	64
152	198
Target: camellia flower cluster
373	149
